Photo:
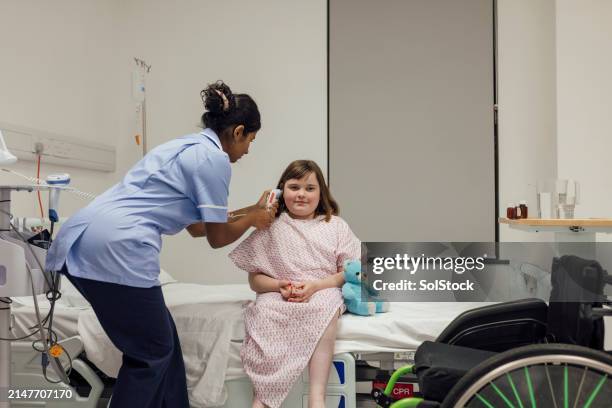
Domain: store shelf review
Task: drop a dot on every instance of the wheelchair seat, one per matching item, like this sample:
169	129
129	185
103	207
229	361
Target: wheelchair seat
439	366
474	336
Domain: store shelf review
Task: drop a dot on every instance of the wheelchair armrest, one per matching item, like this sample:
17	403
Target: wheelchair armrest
499	327
602	311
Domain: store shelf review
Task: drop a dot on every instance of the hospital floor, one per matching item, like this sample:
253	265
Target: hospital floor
363	401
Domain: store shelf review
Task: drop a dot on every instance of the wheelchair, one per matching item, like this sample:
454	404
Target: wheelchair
520	354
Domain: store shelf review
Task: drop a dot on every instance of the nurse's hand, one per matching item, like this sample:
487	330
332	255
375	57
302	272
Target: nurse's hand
261	203
262	218
263	200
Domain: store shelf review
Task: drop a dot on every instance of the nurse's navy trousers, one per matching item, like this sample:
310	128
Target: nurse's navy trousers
139	324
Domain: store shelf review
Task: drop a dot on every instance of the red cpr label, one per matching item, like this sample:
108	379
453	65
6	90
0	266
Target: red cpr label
401	390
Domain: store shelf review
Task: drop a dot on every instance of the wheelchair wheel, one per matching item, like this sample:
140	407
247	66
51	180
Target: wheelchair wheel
541	375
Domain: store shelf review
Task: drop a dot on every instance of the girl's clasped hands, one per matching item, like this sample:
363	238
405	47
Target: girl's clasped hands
297	292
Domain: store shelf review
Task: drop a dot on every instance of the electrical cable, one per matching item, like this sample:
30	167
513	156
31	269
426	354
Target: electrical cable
6	301
43	183
55	280
50	339
40	327
52	295
64	351
44	339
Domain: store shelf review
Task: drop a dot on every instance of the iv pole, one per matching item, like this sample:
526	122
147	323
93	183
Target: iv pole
139	95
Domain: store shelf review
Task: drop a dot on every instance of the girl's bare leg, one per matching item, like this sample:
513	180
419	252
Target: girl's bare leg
257	403
320	364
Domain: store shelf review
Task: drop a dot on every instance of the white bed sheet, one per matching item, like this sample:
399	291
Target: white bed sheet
404	327
208	320
65	318
71	304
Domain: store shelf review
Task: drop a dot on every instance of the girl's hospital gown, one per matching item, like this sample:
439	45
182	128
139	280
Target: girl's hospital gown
281	336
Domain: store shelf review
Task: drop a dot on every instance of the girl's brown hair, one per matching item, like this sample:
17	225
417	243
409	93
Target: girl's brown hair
297	170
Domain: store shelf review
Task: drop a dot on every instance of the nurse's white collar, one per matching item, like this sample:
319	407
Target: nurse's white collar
209	133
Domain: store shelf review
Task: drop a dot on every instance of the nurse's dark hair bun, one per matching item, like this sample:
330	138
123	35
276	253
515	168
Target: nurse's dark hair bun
218	98
224	109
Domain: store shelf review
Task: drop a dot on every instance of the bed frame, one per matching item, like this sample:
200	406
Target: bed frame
341	388
27	374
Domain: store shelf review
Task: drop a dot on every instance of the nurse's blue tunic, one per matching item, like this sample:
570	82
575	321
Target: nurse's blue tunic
117	238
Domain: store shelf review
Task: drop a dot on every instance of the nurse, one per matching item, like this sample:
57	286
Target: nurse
110	249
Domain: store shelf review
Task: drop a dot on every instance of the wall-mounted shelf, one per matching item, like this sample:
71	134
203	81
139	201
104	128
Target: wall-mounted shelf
575	225
575	236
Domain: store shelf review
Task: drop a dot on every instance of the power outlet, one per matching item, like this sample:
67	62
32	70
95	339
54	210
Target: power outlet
39	148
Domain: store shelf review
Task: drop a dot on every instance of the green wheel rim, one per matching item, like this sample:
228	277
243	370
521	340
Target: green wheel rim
538	377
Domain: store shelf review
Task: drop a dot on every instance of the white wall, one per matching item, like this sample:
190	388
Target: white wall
274	50
57	73
66	68
554	95
527	104
584	88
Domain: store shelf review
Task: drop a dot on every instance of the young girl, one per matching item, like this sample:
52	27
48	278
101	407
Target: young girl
296	269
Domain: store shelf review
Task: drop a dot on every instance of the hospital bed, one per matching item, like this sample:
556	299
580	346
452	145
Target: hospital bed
209	320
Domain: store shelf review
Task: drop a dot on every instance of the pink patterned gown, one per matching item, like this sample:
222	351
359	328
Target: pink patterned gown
281	336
